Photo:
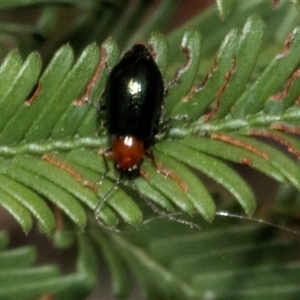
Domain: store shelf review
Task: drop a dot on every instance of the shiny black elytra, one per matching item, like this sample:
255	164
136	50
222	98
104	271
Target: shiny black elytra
134	97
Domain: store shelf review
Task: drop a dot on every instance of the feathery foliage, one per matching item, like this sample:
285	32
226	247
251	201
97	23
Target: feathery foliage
227	113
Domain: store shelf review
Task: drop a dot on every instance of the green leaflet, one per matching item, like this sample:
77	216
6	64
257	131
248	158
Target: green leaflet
122	203
224	7
147	190
91	122
117	199
57	195
196	191
19	88
17	258
50	82
73	116
16	266
31	201
213	168
278	103
253	100
59	177
280	161
8	70
185	76
161	47
260	280
233	153
84	162
245	56
168	187
190	261
237	56
121	284
201	261
198	102
159	276
182	245
20	214
51	112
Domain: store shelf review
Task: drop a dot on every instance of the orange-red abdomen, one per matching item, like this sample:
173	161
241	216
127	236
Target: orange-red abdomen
127	152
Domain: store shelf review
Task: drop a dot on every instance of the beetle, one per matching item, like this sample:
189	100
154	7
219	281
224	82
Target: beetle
134	95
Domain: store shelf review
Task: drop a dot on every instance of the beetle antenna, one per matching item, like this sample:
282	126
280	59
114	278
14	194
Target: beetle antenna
236	216
102	201
172	217
162	214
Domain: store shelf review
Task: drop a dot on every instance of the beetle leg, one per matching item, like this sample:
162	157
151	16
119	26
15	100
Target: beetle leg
100	204
105	153
105	197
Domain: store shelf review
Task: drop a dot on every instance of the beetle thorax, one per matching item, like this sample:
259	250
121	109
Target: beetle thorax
128	152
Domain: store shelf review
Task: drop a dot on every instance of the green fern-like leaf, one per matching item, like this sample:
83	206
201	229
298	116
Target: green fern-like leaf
232	261
49	143
37	281
221	108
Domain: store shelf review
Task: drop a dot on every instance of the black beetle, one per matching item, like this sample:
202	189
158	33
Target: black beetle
134	94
